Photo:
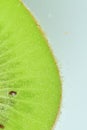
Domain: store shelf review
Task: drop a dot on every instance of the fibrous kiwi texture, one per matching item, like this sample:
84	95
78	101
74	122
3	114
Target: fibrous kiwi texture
30	85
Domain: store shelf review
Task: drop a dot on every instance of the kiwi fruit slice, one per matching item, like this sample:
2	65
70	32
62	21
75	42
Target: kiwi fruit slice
30	85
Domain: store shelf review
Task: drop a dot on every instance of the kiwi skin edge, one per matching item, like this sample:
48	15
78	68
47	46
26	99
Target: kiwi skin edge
44	35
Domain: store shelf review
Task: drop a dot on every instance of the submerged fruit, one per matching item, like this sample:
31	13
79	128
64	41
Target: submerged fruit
30	86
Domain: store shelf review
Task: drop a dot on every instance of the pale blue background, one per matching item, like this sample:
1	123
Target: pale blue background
65	24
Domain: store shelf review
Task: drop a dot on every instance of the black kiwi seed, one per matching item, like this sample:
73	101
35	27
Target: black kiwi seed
1	126
12	93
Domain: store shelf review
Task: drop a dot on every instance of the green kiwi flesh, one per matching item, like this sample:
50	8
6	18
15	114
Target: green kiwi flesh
30	85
